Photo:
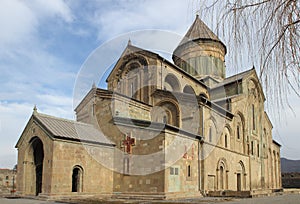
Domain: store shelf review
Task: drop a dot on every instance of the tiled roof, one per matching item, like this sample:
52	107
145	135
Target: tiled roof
71	130
199	30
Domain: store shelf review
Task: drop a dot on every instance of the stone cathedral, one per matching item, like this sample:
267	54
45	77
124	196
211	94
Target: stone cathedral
161	130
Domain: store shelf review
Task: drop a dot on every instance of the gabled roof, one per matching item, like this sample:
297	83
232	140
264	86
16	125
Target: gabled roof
238	77
60	128
233	78
132	49
69	129
199	31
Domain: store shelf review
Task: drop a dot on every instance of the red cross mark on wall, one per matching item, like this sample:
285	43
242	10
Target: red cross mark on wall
186	155
128	142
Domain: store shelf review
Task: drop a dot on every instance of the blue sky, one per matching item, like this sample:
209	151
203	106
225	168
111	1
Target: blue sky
43	45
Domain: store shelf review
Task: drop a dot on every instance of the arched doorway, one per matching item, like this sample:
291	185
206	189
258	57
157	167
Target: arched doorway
240	177
222	175
221	178
38	158
77	175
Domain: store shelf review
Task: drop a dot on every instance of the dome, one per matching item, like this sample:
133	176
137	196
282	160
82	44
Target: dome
201	53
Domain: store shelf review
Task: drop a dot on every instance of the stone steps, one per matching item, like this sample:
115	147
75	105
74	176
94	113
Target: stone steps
133	196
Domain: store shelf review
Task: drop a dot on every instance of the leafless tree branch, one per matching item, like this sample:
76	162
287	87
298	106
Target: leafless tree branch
269	33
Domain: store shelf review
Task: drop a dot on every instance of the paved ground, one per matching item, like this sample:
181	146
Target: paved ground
24	201
286	199
282	199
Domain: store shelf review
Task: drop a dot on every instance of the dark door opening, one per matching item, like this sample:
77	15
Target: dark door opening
239	182
221	178
39	179
76	179
38	154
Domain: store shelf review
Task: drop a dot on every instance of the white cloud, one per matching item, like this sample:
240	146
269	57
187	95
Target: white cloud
53	8
19	19
135	15
17	22
30	72
12	124
54	99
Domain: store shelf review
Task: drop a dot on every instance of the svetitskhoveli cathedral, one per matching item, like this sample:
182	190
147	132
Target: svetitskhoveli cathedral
161	130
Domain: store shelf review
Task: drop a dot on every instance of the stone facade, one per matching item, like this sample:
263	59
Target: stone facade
171	131
48	164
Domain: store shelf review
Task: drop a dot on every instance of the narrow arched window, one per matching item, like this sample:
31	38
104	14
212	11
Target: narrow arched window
248	149
210	134
253	117
226	142
189	171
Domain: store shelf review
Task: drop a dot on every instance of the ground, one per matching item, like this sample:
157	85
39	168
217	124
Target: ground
279	199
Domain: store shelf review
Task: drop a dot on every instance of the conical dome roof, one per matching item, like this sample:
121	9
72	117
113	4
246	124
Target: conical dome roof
199	31
201	53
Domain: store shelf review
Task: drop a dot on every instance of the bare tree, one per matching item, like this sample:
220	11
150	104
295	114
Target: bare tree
271	31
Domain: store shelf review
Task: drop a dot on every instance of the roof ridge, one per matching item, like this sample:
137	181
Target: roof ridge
62	119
